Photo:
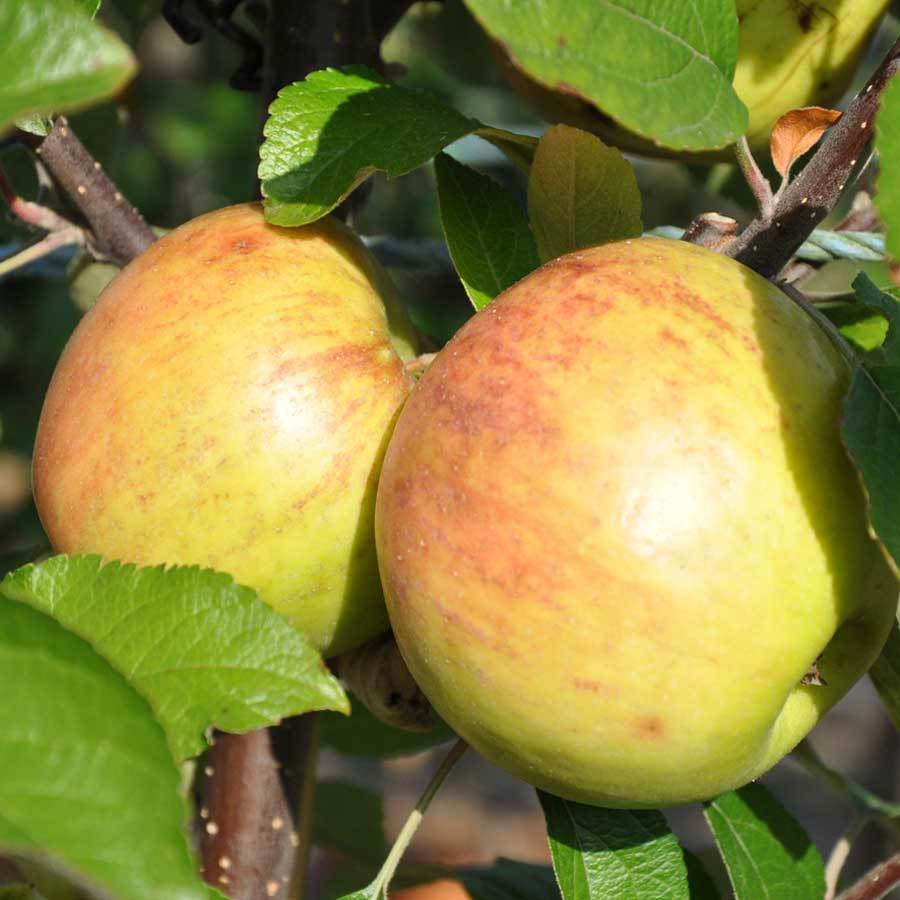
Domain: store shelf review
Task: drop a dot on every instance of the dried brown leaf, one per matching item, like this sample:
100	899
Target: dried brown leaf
796	131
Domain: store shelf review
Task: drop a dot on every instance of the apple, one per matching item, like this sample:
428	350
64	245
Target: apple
227	403
444	889
617	529
790	54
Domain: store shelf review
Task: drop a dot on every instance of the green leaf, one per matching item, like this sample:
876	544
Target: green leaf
613	853
870	428
887	143
580	193
53	58
203	650
519	148
511	880
870	425
700	883
328	133
887	304
767	854
859	325
361	734
662	68
86	776
487	232
349	819
885	675
89	6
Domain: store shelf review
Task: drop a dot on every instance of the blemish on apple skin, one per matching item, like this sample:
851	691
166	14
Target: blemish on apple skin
650	727
667	335
592	685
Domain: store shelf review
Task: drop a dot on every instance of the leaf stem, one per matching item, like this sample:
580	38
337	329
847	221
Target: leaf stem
769	241
758	182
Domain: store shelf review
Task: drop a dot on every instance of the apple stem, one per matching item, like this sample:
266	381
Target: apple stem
389	867
419	364
877	882
770	240
758	182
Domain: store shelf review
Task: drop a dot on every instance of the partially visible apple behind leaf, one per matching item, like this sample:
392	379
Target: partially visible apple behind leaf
790	54
619	536
227	403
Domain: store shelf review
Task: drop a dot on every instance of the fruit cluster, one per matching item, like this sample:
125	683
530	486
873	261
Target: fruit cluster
615	525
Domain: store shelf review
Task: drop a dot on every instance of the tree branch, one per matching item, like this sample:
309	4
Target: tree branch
118	231
254	810
767	243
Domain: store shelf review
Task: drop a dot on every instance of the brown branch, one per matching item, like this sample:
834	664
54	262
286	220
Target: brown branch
118	231
768	243
301	37
876	882
255	811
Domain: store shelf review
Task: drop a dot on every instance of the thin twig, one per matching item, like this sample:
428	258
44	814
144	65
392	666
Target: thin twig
63	238
876	882
29	212
768	242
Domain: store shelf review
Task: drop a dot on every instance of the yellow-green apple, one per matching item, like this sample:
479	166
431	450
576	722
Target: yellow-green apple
227	403
791	53
616	528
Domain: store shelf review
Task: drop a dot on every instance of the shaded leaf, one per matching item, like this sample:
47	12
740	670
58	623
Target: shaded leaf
580	193
700	883
53	58
887	143
889	306
767	854
797	131
349	819
86	776
204	651
862	327
328	133
487	231
885	675
613	853
518	148
870	425
870	428
507	879
660	67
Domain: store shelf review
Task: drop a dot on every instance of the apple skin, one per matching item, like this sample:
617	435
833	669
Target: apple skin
616	527
227	403
790	54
